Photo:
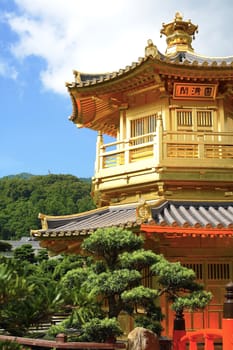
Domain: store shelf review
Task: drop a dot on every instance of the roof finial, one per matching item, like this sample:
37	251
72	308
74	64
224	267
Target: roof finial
179	34
178	16
151	49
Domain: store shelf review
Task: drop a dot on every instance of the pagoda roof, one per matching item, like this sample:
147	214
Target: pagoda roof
97	98
87	222
196	214
166	216
182	59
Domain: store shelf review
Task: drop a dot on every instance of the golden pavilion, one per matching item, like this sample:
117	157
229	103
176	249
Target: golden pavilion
167	173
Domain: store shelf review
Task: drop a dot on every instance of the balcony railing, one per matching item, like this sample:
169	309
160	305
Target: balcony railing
162	148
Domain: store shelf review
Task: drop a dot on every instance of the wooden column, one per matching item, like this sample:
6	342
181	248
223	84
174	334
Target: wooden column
178	330
158	145
99	157
227	322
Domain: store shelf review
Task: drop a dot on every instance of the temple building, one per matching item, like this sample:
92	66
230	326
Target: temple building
167	173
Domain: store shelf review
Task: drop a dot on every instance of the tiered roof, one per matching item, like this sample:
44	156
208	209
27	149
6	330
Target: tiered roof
187	217
96	98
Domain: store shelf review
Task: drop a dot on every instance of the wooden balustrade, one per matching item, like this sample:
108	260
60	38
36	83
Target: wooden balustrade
206	336
188	145
209	336
60	343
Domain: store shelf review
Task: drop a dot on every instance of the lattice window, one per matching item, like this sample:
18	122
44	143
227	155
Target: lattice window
197	268
194	119
184	118
142	126
204	119
218	271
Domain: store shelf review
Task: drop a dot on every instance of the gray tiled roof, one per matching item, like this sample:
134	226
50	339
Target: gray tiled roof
182	58
194	214
191	57
111	216
171	213
87	79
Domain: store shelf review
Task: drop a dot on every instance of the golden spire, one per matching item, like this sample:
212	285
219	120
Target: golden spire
179	34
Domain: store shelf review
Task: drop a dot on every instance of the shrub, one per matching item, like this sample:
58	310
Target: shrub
97	330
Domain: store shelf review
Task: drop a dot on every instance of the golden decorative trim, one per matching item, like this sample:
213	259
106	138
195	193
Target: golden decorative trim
143	212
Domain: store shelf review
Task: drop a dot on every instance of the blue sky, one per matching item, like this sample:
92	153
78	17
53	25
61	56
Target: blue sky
43	41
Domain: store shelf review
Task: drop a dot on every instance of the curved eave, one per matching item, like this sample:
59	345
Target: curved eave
91	112
69	241
95	101
180	60
101	79
63	233
99	98
86	222
53	221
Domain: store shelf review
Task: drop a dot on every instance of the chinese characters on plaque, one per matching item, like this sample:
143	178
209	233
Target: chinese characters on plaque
194	91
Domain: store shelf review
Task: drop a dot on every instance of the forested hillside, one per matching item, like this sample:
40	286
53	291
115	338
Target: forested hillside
22	198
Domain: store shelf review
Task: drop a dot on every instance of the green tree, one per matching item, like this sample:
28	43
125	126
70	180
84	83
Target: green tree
23	197
112	275
42	255
28	295
116	276
24	253
114	260
69	263
178	284
15	300
110	271
5	246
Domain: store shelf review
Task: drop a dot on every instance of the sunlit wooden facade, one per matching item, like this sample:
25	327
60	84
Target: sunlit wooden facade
167	171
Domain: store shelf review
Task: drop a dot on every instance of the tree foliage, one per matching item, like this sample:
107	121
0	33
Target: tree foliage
111	275
179	285
5	246
28	296
24	252
117	275
118	278
23	198
15	294
105	280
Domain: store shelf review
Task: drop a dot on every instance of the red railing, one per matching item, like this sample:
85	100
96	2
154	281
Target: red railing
206	336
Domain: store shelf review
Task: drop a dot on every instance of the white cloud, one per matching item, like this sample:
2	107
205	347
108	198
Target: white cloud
59	31
106	35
